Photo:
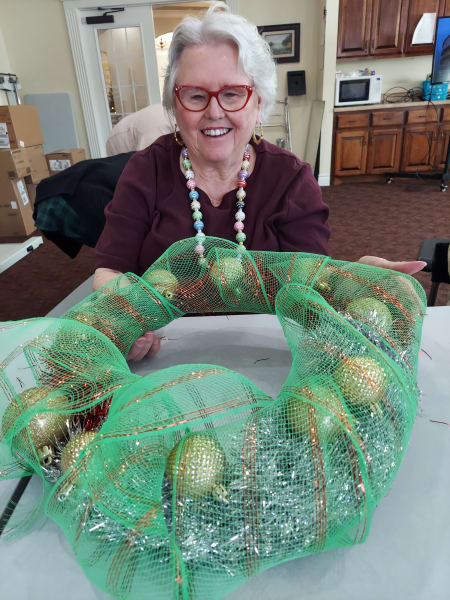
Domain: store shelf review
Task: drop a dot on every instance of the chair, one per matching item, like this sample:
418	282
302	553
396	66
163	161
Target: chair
440	270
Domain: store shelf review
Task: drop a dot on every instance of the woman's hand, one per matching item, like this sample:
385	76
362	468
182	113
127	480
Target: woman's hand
404	266
147	344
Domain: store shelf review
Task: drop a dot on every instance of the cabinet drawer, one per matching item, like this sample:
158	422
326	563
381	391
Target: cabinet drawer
352	120
445	113
423	115
387	117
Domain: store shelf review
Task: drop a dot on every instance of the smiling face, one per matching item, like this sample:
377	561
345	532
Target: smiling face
214	135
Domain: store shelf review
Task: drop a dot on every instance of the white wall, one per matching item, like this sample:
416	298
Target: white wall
4	64
407	72
308	14
37	43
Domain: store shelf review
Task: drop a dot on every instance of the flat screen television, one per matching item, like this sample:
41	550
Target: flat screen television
441	56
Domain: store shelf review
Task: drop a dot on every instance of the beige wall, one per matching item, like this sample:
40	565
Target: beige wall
37	43
308	14
406	72
4	63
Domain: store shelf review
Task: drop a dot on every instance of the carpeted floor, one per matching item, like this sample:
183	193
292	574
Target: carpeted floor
377	219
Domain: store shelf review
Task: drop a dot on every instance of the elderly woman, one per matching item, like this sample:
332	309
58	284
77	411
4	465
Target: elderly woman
220	84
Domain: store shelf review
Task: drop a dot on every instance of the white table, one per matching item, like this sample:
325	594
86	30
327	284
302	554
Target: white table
407	553
12	253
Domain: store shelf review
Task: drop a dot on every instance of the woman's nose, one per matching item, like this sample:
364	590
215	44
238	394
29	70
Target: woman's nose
214	110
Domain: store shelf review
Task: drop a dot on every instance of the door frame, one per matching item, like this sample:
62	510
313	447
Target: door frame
74	10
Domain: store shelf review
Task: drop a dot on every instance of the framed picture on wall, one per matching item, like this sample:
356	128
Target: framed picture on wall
284	41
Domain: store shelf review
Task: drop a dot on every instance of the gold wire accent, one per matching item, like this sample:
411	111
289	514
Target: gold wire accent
178	140
258	137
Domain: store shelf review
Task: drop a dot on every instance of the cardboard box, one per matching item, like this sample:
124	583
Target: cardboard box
63	159
14	163
31	189
16	212
38	164
20	126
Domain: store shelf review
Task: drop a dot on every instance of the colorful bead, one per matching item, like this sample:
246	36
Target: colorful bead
191	184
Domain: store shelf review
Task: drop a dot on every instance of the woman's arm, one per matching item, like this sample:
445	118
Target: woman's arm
103	275
147	344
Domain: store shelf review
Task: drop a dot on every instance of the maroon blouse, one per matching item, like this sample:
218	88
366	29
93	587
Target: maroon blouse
151	209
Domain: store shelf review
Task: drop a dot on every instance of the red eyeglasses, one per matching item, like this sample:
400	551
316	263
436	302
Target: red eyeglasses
231	98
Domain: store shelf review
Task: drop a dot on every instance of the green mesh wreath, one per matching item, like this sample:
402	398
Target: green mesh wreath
186	482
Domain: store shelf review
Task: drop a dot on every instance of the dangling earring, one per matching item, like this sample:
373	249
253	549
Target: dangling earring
179	141
257	138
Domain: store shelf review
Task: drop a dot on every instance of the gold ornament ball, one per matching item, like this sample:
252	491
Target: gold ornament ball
73	448
163	281
227	271
45	428
362	380
303	273
298	411
372	312
200	467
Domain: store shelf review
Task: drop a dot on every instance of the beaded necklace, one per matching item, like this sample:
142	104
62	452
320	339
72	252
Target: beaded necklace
191	184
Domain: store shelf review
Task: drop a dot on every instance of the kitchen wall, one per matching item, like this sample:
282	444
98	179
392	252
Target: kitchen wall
407	72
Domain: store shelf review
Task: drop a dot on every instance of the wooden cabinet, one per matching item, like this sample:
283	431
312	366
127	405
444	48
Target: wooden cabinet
388	29
392	140
355	18
383	27
419	148
415	12
368	142
384	150
351	152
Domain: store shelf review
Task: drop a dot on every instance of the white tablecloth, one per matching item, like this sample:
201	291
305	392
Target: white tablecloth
407	553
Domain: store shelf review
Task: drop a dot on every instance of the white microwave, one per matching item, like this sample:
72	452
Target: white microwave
360	89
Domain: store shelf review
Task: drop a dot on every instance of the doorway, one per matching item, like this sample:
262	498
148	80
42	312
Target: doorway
120	59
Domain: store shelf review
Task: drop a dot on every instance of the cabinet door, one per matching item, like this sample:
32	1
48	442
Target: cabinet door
419	147
384	150
416	10
389	19
350	152
446	8
442	145
354	27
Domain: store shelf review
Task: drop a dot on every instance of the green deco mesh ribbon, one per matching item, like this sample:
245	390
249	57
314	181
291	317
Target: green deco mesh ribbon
186	482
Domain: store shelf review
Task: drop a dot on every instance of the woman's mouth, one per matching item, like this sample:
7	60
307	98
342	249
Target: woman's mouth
216	132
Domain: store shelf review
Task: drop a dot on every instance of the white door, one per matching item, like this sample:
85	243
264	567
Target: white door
119	68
